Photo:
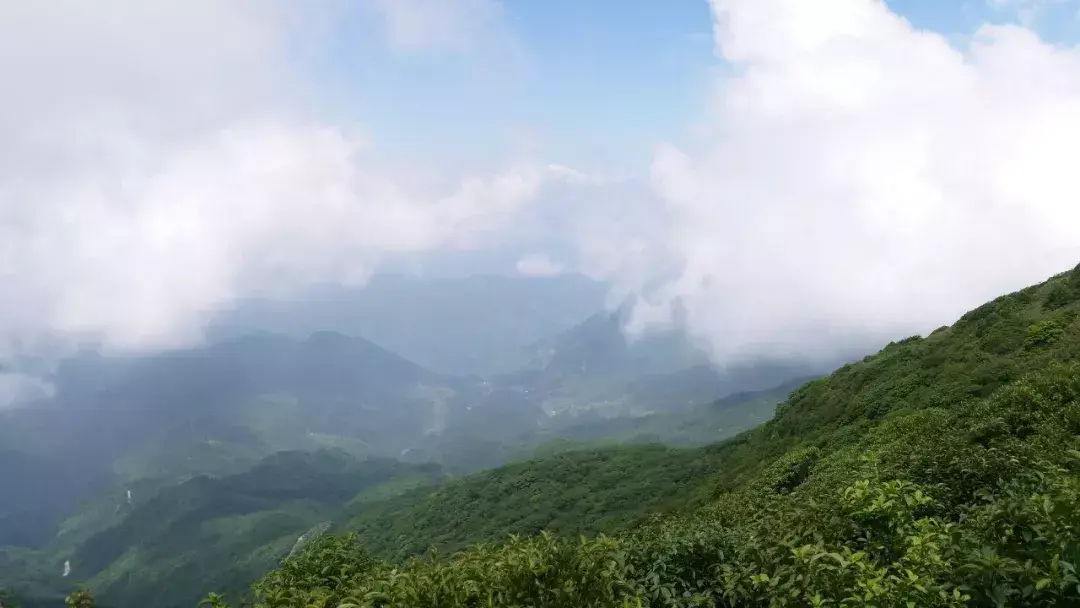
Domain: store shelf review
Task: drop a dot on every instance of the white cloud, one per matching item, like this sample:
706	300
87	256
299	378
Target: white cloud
538	265
157	160
18	387
455	25
864	179
859	179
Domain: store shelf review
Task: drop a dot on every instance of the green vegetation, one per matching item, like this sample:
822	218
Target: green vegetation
207	508
689	426
223	533
597	490
942	471
8	599
595	367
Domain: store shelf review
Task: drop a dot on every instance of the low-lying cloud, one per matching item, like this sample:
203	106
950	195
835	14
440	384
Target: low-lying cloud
158	161
863	179
538	265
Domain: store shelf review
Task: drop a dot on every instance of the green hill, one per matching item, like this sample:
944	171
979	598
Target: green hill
223	533
942	471
595	367
118	422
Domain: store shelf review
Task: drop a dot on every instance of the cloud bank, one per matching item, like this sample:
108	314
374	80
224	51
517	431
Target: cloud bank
858	180
160	159
863	179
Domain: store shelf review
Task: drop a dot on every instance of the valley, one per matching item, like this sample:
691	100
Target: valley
941	471
156	479
290	451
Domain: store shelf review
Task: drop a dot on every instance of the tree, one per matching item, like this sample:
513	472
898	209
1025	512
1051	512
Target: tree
8	599
80	599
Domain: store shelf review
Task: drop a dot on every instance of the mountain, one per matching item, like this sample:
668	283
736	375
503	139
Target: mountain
185	449
38	492
594	369
697	424
579	488
456	326
156	420
516	429
223	533
261	391
149	421
942	471
596	354
208	533
159	471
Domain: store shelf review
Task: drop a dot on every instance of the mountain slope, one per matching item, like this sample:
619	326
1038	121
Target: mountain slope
119	423
594	368
579	489
696	424
259	391
942	471
596	354
587	491
207	533
37	492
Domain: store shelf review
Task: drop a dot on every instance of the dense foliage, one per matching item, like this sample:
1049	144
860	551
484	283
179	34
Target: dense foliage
173	537
595	490
224	533
8	600
942	471
976	506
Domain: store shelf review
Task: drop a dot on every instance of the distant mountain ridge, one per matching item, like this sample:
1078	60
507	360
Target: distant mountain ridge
104	406
595	366
457	326
215	410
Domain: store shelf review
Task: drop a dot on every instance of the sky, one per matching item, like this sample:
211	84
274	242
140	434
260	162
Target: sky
798	176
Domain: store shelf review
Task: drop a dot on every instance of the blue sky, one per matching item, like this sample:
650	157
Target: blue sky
590	83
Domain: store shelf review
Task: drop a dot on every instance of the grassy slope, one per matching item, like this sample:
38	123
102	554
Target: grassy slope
605	490
938	410
577	492
989	347
574	488
983	417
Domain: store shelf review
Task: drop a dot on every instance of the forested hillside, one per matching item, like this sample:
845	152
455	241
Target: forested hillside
144	475
225	532
942	471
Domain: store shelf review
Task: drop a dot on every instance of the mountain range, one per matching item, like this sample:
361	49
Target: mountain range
943	470
144	473
459	326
